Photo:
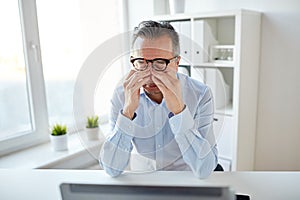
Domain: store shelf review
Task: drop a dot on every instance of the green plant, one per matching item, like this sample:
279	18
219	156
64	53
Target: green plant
59	129
92	122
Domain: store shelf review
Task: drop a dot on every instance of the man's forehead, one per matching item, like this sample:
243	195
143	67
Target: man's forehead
152	51
160	45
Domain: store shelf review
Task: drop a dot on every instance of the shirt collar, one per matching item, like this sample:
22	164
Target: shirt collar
142	91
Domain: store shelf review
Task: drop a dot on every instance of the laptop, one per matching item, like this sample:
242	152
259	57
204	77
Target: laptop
78	191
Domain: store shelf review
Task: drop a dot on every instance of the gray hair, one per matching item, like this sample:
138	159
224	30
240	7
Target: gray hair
153	29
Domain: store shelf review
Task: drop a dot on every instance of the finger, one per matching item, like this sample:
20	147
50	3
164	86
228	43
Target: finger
135	77
128	78
138	85
159	84
172	85
171	70
171	73
143	81
165	79
133	72
139	79
130	73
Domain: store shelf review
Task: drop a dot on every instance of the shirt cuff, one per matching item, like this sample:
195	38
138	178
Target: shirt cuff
181	122
126	125
121	141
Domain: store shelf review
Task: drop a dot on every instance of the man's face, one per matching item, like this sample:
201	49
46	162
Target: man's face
149	49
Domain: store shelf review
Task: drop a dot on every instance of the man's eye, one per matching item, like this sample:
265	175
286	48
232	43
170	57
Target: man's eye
160	62
140	61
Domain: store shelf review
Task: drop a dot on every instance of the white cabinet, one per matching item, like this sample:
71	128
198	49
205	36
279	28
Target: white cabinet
184	28
223	127
204	32
222	50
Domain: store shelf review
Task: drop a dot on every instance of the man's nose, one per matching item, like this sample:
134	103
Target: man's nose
150	64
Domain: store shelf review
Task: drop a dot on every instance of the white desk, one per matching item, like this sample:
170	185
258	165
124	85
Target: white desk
44	184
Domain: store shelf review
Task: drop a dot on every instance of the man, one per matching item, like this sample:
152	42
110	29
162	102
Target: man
166	115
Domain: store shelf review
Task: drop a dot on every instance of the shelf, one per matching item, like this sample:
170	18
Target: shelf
222	53
223	46
42	156
228	64
204	15
223	42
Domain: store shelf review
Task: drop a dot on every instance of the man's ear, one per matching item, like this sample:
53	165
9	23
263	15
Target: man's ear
177	62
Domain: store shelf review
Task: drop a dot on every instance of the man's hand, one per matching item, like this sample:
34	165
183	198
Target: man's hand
132	84
170	87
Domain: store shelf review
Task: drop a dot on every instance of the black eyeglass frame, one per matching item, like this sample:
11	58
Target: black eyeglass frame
132	60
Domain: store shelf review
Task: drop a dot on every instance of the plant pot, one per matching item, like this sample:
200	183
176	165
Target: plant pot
92	133
59	143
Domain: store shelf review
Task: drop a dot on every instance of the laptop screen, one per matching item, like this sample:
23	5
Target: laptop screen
138	192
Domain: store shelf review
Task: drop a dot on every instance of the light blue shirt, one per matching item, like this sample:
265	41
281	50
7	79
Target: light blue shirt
173	142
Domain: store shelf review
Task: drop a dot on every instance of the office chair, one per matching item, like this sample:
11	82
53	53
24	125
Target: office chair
219	168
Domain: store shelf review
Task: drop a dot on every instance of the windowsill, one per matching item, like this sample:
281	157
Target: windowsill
80	154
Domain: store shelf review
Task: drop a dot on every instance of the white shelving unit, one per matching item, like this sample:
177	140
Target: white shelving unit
233	77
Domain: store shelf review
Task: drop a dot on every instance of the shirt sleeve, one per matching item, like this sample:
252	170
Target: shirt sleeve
195	136
116	150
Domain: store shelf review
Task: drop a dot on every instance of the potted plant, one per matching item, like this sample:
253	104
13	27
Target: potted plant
58	136
92	128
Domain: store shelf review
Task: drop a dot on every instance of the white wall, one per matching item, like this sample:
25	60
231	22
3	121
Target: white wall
278	128
100	23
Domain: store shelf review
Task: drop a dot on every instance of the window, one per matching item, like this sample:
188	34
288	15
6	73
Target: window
43	46
23	110
15	116
61	55
67	38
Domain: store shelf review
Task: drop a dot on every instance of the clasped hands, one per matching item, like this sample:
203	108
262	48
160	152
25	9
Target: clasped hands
166	81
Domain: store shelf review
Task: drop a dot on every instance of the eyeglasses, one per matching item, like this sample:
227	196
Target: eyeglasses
158	64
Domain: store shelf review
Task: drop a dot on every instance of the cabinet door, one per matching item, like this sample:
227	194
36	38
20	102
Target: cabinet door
184	36
204	37
221	90
198	74
199	51
183	28
226	164
223	129
185	43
